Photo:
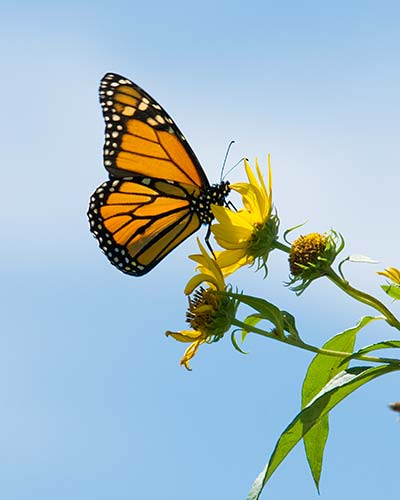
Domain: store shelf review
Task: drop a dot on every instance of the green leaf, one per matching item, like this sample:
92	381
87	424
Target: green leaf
392	290
290	324
321	370
236	345
314	444
267	310
332	394
385	344
251	320
285	234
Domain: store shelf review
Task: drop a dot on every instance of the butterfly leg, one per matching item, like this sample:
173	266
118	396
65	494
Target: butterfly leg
207	240
231	206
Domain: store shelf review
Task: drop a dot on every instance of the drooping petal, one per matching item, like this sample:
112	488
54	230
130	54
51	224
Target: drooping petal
189	353
209	272
185	335
197	280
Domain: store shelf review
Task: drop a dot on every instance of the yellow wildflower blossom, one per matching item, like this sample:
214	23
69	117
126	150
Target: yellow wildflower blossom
247	235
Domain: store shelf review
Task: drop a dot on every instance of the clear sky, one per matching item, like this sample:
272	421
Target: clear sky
93	403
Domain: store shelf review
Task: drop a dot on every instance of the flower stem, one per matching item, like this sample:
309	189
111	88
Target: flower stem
363	297
308	347
353	292
281	246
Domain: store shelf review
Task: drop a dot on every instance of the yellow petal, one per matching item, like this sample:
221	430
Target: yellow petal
256	198
250	174
197	279
231	245
253	199
184	335
269	179
261	178
205	308
392	273
227	217
235	235
209	262
229	257
244	261
189	353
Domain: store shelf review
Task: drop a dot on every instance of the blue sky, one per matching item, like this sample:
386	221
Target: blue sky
93	401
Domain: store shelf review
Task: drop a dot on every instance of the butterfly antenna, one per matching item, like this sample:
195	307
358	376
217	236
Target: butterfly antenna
235	165
226	157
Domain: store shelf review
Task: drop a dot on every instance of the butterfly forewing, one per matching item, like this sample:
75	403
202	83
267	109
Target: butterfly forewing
141	138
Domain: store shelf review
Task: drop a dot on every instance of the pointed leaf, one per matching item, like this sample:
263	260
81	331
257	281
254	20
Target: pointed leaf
236	345
314	444
251	320
288	231
290	324
265	308
393	291
332	394
321	370
385	344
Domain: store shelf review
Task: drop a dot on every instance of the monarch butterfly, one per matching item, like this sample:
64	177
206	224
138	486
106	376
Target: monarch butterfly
158	193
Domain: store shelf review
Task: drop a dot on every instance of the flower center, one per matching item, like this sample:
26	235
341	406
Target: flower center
210	313
306	250
203	305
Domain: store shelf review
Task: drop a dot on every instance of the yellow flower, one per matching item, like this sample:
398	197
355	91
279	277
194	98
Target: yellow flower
392	273
247	235
210	311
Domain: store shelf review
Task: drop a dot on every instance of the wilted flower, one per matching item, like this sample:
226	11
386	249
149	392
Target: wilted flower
210	311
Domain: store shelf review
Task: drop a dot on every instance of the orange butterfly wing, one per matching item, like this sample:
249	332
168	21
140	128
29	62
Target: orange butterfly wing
158	193
138	221
141	138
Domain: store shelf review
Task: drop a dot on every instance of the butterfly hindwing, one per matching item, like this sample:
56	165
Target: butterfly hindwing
141	138
138	221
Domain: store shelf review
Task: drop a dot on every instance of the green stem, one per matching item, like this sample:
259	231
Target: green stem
353	292
308	347
363	297
281	246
